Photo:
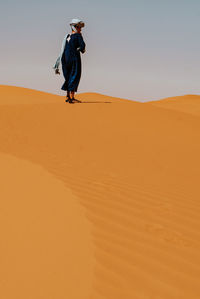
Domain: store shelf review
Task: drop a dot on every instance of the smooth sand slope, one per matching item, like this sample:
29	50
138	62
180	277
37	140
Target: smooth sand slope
187	103
42	230
124	178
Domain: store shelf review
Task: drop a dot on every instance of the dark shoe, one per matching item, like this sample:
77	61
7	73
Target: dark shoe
70	100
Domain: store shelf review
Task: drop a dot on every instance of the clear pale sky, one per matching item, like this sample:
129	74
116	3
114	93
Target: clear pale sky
135	49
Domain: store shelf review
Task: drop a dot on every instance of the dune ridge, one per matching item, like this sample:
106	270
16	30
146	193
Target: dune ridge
188	103
15	95
134	168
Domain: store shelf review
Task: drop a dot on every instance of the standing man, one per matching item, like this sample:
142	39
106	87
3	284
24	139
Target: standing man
70	58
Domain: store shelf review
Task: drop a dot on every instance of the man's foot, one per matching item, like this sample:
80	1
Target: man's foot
68	100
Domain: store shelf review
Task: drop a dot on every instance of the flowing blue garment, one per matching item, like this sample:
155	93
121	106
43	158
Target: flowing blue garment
71	61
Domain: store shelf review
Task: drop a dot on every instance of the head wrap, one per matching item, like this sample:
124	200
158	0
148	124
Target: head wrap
75	22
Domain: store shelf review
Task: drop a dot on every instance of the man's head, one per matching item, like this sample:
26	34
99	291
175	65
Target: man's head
76	25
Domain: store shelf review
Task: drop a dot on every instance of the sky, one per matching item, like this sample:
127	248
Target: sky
141	50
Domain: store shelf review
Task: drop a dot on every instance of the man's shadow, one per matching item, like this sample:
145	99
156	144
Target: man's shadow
93	102
75	101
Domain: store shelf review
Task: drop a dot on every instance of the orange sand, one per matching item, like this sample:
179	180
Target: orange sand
99	199
188	103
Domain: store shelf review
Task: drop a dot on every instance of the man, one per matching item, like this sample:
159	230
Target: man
70	58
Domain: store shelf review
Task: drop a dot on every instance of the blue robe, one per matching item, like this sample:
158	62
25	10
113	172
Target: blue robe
71	62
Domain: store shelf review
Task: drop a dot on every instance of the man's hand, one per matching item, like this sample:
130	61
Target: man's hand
79	49
57	71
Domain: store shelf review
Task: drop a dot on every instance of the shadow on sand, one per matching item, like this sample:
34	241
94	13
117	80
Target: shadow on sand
75	101
93	102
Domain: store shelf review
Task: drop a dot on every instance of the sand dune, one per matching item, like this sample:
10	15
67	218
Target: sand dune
130	170
187	103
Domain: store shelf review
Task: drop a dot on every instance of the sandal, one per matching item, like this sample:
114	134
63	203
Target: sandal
68	100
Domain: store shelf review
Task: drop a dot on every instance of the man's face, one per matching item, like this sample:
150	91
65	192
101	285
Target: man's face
78	29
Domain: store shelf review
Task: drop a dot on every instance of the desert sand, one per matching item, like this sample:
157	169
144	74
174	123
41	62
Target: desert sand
187	103
99	199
